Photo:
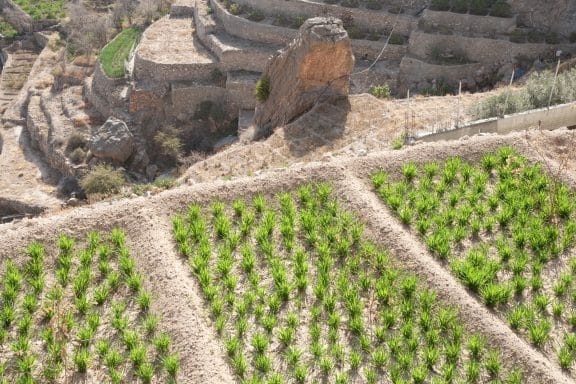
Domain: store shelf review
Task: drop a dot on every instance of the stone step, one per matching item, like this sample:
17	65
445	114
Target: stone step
236	53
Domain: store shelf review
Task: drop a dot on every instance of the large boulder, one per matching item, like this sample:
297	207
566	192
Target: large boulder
314	68
113	141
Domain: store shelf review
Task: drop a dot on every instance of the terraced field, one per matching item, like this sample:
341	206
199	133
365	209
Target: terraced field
80	312
440	263
506	230
297	295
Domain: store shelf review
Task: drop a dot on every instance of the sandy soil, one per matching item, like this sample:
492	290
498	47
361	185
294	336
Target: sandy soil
148	227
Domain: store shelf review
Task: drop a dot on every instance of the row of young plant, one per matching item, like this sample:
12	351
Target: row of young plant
297	295
498	226
86	313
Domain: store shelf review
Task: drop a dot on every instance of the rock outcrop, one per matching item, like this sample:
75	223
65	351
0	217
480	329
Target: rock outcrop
314	68
113	141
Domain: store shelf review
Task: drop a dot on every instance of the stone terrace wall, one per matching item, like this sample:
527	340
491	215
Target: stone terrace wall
266	33
373	48
469	23
103	84
186	98
149	70
488	51
249	30
413	71
364	18
251	58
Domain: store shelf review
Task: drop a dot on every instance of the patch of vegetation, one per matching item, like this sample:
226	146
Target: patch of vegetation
169	143
380	91
43	9
114	55
374	5
397	39
297	295
7	31
535	94
498	225
103	179
80	311
501	8
439	88
440	5
262	89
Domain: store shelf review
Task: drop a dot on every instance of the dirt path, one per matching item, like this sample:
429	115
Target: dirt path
24	177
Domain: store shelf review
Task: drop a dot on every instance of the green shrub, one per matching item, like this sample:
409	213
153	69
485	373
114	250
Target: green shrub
350	3
374	5
42	9
535	36
103	179
478	7
518	36
263	89
505	103
397	39
235	9
552	38
441	88
440	5
75	140
256	16
380	91
77	156
169	143
460	6
7	31
165	182
355	32
501	9
115	53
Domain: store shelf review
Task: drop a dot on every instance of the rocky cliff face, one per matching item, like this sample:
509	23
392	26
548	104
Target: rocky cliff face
314	68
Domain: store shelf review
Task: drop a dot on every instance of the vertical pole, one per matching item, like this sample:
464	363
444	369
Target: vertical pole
459	101
553	83
508	94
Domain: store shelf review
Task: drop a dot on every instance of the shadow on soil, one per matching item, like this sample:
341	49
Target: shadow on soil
318	127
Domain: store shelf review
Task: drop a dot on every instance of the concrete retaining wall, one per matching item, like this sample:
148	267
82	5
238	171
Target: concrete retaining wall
465	23
556	117
480	50
364	18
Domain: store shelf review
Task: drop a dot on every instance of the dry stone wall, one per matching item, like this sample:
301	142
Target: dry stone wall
249	30
363	18
414	71
482	50
466	23
147	70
